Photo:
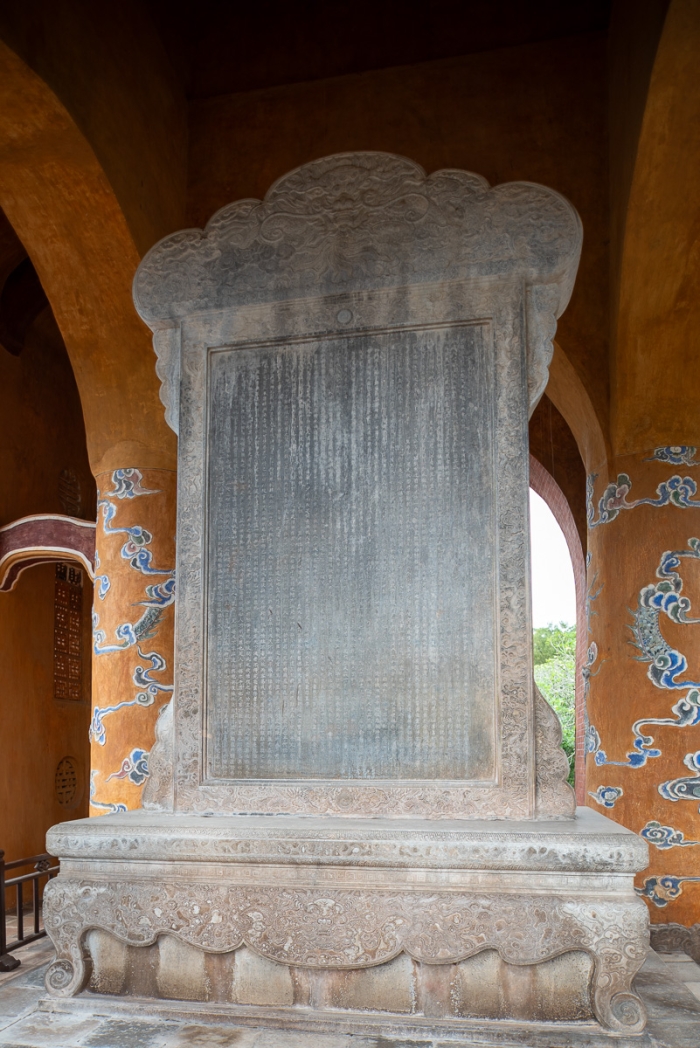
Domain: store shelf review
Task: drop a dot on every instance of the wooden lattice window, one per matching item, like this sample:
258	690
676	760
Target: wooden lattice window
67	633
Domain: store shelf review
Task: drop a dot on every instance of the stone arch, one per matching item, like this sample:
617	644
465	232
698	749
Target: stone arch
569	396
61	204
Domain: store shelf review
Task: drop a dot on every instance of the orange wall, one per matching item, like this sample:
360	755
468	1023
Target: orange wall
133	673
41	427
37	731
41	433
643	706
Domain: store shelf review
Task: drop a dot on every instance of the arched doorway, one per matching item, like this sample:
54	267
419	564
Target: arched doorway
547	581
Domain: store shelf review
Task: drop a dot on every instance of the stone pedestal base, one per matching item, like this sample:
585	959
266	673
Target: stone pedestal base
357	923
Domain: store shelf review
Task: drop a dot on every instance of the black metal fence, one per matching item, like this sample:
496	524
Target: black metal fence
42	868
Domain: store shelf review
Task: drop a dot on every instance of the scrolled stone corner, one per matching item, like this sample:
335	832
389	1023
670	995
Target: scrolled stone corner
625	1013
66	979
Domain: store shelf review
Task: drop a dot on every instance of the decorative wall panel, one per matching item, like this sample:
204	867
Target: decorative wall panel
67	636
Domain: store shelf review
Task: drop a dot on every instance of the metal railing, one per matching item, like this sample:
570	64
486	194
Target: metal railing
42	868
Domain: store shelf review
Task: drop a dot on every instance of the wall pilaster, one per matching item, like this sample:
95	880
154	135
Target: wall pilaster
642	671
133	626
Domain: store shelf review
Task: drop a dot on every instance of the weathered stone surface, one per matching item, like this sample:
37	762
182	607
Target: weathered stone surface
674	1021
351	612
109	961
352	362
355	358
181	970
589	844
320	897
256	980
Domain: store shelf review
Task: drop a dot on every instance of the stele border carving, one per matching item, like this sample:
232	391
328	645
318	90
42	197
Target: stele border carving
341	928
552	790
370	235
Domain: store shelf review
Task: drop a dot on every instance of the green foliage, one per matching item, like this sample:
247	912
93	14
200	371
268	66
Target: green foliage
549	642
555	676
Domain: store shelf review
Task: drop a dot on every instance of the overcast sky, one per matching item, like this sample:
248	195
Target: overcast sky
553	594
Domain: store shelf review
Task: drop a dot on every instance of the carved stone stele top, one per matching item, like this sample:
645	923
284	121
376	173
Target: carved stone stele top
358	222
350	364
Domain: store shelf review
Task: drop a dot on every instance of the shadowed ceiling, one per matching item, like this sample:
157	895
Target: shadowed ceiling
217	47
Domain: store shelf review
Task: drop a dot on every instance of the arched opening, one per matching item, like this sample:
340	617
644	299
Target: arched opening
45	623
559	618
47	513
566	443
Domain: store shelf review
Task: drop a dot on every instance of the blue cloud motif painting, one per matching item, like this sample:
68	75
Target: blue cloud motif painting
607	796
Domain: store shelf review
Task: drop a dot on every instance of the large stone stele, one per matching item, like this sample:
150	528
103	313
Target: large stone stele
357	811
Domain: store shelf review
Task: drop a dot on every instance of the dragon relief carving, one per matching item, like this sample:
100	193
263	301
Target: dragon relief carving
362	221
354	929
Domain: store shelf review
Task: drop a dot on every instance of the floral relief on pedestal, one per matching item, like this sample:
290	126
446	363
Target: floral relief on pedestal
340	928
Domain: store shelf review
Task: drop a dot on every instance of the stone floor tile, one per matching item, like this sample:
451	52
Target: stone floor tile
33	977
48	1030
190	1035
122	1033
694	987
674	1013
14	1000
302	1039
37	954
689	972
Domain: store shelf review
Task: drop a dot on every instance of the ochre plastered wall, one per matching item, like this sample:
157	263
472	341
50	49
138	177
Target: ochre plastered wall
633	39
63	208
41	434
108	66
132	629
37	730
656	380
643	705
41	427
643	581
89	181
